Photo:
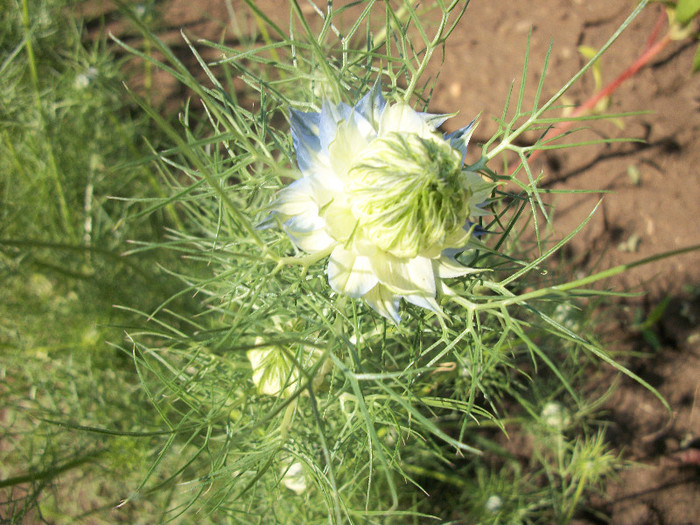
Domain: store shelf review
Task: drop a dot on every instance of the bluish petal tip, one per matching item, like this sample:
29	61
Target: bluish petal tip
331	115
372	104
460	139
268	222
303	122
305	129
479	232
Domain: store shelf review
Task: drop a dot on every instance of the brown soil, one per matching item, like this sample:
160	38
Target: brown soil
655	211
662	210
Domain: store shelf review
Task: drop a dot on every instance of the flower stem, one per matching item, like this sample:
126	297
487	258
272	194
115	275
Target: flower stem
651	49
305	261
577	496
53	166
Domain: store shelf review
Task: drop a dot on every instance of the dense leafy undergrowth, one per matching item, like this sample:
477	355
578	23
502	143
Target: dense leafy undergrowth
165	356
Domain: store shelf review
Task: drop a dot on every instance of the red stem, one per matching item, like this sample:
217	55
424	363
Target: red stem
660	22
650	51
638	64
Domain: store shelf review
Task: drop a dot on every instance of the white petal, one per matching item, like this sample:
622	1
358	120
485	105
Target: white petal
402	118
444	290
340	222
305	222
294	478
429	303
274	373
457	239
481	191
331	115
349	142
349	273
435	120
310	240
362	125
447	268
296	198
405	276
372	105
384	302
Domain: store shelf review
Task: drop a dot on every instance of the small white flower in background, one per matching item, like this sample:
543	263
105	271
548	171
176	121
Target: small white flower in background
293	477
276	367
555	415
274	372
386	196
494	504
83	80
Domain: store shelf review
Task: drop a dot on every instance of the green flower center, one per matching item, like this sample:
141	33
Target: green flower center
408	193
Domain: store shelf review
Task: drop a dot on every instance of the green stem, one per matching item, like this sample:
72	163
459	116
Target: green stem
519	299
430	49
648	54
34	75
577	496
50	472
30	51
537	113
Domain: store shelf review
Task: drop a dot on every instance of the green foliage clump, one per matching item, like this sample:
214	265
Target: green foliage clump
473	416
70	145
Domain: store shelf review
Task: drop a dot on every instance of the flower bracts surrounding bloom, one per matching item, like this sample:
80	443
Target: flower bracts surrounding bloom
386	196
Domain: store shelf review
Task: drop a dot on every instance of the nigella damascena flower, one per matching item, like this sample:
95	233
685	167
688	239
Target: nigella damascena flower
386	196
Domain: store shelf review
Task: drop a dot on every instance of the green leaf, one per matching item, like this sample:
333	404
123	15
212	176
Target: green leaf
696	61
686	10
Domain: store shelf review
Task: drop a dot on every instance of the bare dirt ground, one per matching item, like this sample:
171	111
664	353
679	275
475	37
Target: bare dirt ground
653	205
639	218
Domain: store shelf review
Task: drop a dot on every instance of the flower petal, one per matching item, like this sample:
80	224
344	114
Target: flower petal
331	116
274	373
340	222
384	302
350	140
349	273
460	138
401	118
372	105
429	303
296	198
435	120
481	192
308	233
304	127
447	268
293	478
405	276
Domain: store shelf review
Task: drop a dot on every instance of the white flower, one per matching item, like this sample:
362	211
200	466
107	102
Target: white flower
293	477
386	196
494	504
276	367
555	415
83	80
274	372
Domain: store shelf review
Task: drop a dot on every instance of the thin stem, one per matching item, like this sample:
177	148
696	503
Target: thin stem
537	113
51	472
520	299
34	74
577	496
426	58
650	51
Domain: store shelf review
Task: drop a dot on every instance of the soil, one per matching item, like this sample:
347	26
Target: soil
653	204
